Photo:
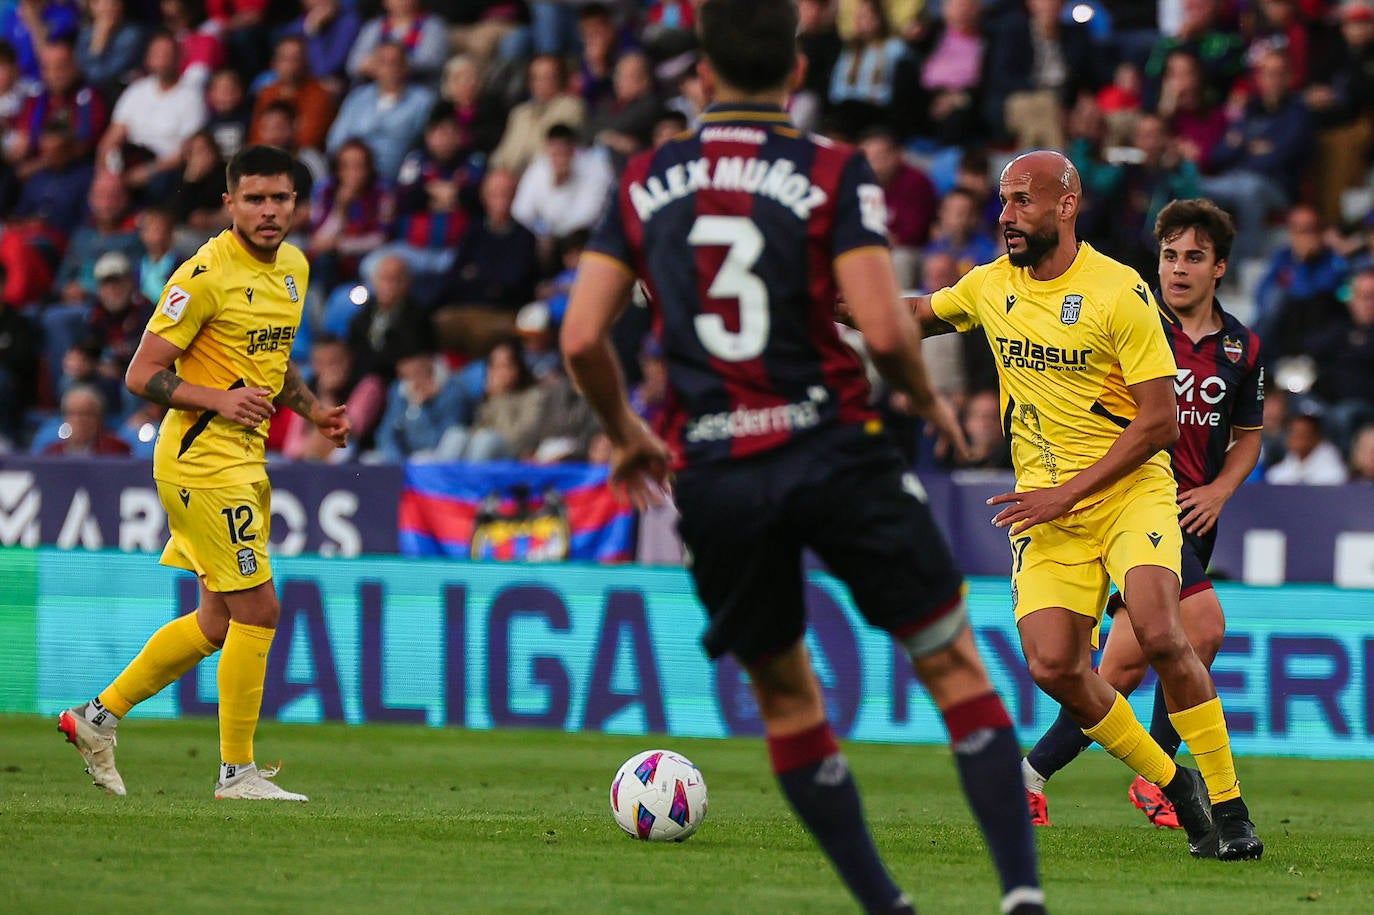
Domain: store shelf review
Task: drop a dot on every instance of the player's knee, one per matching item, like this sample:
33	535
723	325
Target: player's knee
1058	675
1164	646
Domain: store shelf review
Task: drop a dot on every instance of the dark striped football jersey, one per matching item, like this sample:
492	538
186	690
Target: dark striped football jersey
734	230
1219	387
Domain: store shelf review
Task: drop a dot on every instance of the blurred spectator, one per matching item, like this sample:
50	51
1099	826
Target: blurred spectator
28	25
507	422
555	292
1362	456
243	25
1191	114
981	418
329	28
387	114
956	232
492	276
1344	357
600	50
564	189
950	74
227	113
1154	175
479	30
292	83
649	398
624	121
973	175
107	228
389	324
549	103
903	15
64	99
119	313
819	41
689	95
152	120
335	380
861	83
54	193
15	87
199	188
83	432
1278	25
1261	155
199	45
109	46
1120	103
422	38
435	192
81	366
156	227
669	124
1220	53
1310	459
944	352
19	354
427	413
910	195
538	343
1037	65
479	116
1297	295
1342	102
349	215
276	126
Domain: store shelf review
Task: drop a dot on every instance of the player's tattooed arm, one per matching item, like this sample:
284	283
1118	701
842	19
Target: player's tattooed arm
296	394
161	386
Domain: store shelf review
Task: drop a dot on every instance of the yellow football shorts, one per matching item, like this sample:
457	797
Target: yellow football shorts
220	534
1071	562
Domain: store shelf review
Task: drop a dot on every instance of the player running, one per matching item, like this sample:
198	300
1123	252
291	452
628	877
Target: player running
1220	395
743	231
1088	405
217	353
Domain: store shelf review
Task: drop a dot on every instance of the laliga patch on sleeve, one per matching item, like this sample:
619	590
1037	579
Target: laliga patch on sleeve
175	302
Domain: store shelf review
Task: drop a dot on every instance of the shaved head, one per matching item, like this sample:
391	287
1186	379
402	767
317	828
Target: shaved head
1040	192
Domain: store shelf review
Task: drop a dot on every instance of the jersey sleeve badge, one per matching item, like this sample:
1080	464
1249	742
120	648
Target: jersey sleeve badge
175	302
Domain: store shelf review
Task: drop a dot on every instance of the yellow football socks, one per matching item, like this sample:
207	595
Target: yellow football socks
169	653
1203	729
242	669
1121	735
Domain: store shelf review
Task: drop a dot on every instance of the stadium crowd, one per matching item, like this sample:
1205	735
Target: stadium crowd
454	155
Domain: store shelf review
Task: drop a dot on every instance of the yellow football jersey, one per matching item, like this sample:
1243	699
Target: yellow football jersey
235	317
1065	349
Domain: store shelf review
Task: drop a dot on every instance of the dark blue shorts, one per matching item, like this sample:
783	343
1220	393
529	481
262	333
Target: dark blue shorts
842	493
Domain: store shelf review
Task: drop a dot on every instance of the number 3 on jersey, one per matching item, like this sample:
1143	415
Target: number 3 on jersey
734	280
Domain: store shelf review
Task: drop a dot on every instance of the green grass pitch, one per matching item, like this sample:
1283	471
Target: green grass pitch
410	820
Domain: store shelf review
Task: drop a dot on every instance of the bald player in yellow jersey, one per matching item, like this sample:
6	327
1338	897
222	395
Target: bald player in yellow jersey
1088	405
217	354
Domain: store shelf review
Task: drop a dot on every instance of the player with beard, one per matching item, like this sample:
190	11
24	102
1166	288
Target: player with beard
1220	396
1087	380
216	353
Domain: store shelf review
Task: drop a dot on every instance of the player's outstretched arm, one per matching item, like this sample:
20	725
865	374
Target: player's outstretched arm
931	326
151	376
1200	506
296	396
598	298
893	341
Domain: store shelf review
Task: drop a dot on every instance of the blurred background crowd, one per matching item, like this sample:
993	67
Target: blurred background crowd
454	155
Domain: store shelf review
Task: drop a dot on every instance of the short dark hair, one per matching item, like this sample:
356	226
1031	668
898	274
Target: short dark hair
1208	220
595	11
751	44
280	106
258	160
561	132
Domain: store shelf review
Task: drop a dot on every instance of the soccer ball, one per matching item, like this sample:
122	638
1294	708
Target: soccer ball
659	796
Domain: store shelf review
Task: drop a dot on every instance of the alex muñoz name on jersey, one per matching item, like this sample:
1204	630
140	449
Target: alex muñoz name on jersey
1026	354
777	180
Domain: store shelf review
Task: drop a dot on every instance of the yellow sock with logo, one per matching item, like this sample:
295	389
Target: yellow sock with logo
169	653
1203	728
1121	735
242	669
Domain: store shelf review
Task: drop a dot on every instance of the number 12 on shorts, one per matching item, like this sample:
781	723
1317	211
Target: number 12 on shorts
240	519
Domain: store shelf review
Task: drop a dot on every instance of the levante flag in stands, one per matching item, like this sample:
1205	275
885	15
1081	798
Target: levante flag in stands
508	511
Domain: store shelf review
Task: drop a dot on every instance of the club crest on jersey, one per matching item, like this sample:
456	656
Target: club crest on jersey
248	561
291	288
1068	312
1233	348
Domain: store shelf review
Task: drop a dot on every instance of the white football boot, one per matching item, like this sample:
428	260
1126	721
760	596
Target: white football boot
252	784
96	746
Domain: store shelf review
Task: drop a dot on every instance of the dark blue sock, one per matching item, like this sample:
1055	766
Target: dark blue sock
1161	728
989	761
1060	746
816	781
